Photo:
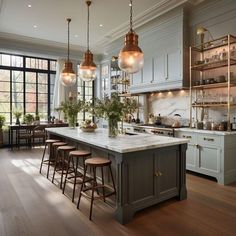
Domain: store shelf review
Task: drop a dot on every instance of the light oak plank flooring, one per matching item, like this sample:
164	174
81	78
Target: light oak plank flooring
30	205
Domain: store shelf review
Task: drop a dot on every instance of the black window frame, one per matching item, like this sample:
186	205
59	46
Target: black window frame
24	69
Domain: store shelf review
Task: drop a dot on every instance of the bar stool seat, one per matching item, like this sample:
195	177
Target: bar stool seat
95	162
57	144
48	143
61	162
77	155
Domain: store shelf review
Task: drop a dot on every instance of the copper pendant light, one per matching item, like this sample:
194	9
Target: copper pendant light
87	69
131	56
68	76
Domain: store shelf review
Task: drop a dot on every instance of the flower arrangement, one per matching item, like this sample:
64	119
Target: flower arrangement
71	108
28	118
17	114
114	110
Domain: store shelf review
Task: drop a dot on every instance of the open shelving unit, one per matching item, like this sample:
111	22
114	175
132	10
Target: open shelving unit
200	64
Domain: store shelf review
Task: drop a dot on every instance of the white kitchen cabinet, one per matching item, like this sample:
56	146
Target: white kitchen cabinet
211	154
174	65
148	71
160	68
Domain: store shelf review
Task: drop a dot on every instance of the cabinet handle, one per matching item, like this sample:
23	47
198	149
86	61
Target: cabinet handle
186	136
209	139
158	173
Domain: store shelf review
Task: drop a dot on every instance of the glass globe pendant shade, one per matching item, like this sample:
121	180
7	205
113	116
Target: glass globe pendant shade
87	69
131	58
68	76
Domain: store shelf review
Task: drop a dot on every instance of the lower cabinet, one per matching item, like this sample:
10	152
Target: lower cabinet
211	154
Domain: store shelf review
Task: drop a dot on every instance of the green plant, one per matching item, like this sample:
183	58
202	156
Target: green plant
17	114
2	121
59	110
28	118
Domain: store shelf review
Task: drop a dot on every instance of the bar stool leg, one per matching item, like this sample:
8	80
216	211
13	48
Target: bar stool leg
50	158
82	185
62	171
93	187
103	189
56	163
76	168
41	165
67	170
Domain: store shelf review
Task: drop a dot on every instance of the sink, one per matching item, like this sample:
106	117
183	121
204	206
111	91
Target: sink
128	133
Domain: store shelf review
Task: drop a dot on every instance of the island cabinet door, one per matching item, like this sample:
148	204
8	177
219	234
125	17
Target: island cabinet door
167	172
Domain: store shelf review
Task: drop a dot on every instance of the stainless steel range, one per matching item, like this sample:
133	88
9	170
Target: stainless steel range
155	129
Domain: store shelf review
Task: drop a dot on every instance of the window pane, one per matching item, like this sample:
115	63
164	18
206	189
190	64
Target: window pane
17	106
42	107
4	75
43	64
17	76
4	86
17	61
52	78
4	107
17	87
30	108
42	78
53	65
30	77
30	97
30	88
43	97
4	97
43	88
17	97
6	60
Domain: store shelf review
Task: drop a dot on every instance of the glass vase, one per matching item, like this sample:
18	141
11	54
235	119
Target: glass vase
112	128
72	121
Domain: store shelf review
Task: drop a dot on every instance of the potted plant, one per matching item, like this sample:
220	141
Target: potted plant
37	119
17	114
28	119
114	110
71	109
2	123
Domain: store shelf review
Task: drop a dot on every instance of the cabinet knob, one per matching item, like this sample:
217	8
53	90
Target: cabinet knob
158	173
209	139
186	136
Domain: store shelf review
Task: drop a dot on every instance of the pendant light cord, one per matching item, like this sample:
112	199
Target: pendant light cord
88	26
68	45
131	15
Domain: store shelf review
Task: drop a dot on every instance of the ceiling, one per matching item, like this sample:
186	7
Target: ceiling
45	20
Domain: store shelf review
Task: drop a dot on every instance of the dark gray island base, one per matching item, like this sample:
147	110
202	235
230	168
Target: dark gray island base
148	169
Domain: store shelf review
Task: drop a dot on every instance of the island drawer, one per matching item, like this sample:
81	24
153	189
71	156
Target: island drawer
188	135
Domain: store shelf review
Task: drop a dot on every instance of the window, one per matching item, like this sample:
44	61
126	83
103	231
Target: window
85	93
26	84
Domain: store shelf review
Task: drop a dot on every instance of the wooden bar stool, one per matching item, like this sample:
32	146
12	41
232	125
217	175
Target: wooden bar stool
94	163
77	155
48	143
61	162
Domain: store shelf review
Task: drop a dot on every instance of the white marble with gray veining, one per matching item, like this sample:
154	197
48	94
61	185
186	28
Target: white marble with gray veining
122	143
207	131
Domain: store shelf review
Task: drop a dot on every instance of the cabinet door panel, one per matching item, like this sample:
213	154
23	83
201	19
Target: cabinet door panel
159	68
137	78
148	70
209	159
168	167
174	65
191	156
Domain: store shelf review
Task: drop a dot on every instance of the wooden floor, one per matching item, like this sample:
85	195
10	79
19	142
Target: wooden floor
31	205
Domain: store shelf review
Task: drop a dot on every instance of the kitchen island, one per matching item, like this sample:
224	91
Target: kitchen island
148	169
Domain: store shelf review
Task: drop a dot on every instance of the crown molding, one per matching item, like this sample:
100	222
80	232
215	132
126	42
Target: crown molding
157	10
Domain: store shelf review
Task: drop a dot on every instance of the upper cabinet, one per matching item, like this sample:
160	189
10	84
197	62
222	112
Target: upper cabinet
164	62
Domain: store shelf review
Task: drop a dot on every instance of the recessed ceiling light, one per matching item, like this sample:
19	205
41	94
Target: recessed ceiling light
76	35
130	5
101	25
29	5
35	26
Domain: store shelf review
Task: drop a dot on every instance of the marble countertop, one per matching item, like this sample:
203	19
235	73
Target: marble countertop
207	131
122	143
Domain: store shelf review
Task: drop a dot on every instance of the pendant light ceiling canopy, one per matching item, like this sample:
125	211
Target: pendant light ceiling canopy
131	56
87	69
68	76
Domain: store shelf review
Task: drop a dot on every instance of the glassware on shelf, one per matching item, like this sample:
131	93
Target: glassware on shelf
223	54
233	53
